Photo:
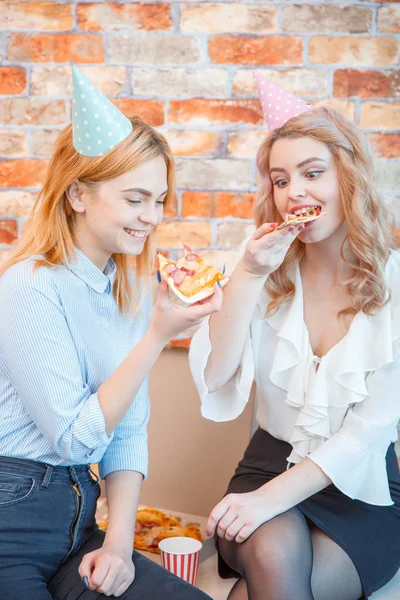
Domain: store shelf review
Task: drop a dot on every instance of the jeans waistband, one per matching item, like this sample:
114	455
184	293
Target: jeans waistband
44	472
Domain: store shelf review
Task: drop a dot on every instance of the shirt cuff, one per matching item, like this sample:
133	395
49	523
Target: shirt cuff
355	472
229	401
90	427
126	455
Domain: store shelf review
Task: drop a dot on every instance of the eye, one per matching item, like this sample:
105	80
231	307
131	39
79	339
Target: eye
281	183
132	201
161	202
313	174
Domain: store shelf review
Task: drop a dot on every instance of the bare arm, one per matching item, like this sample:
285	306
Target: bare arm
229	328
109	569
264	252
123	491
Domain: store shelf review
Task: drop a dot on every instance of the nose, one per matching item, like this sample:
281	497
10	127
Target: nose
149	215
296	188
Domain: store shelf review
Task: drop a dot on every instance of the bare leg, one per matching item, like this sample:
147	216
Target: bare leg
334	576
275	561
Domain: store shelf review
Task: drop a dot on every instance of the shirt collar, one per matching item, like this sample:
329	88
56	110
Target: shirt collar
85	269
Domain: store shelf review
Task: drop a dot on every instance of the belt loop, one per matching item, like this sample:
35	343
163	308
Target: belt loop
47	477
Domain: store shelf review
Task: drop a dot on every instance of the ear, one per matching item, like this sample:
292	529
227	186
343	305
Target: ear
74	193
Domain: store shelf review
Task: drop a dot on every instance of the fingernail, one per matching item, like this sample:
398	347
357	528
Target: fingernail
223	269
85	582
158	276
218	283
290	228
271	225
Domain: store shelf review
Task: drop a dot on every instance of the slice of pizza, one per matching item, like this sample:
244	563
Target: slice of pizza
191	278
302	215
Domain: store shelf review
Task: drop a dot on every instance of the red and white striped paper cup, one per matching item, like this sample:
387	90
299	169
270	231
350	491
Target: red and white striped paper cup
180	555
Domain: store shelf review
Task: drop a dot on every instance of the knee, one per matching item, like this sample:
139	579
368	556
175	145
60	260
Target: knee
267	555
270	549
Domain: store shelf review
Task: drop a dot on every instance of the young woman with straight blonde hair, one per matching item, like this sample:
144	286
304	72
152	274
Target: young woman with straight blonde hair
77	342
312	314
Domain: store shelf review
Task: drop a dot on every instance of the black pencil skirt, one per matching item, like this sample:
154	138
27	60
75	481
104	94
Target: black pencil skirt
369	534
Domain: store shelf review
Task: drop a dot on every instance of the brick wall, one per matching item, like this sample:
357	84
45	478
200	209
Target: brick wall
185	67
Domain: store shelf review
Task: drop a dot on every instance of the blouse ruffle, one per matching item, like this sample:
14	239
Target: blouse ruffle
340	379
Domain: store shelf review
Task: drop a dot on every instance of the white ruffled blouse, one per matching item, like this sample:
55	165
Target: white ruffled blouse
340	410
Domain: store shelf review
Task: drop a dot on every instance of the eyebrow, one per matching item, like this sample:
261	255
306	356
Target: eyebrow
144	192
304	162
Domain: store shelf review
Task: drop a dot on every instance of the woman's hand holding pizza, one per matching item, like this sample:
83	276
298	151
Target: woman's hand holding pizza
169	320
267	248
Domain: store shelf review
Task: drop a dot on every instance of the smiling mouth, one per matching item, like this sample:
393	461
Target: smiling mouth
139	235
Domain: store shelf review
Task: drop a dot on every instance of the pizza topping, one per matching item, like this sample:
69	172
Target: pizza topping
187	248
188	272
178	277
171	267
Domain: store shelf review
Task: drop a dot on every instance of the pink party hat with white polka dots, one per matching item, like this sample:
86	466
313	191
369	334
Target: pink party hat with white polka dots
277	104
97	125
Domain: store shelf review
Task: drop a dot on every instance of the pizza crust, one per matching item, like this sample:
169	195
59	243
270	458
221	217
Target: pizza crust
299	220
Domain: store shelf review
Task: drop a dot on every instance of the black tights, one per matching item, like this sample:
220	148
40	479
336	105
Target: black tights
286	558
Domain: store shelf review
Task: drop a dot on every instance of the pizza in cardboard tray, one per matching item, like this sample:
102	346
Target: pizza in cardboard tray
153	525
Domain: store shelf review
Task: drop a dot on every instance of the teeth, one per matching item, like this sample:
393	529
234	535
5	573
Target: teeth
136	234
301	211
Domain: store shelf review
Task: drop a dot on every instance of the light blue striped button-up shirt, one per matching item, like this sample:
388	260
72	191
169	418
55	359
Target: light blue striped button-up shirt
61	337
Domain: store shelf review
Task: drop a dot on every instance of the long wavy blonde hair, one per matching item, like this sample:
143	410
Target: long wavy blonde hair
50	233
370	228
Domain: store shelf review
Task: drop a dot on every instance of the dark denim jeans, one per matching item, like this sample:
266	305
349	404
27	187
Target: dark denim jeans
47	525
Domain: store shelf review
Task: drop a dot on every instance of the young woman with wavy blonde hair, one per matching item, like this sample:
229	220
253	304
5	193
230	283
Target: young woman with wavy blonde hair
77	342
312	315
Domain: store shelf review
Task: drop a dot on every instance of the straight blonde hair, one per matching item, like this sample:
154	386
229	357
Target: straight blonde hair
50	234
370	228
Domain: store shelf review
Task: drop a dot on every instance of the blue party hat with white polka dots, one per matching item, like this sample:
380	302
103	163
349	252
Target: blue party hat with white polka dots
97	125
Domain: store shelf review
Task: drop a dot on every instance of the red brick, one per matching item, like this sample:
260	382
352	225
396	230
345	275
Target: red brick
79	48
22	173
299	18
389	19
366	84
265	50
217	111
110	15
43	16
193	143
217	204
13	144
213	17
150	111
385	145
8	232
12	80
32	111
380	115
353	51
197	234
